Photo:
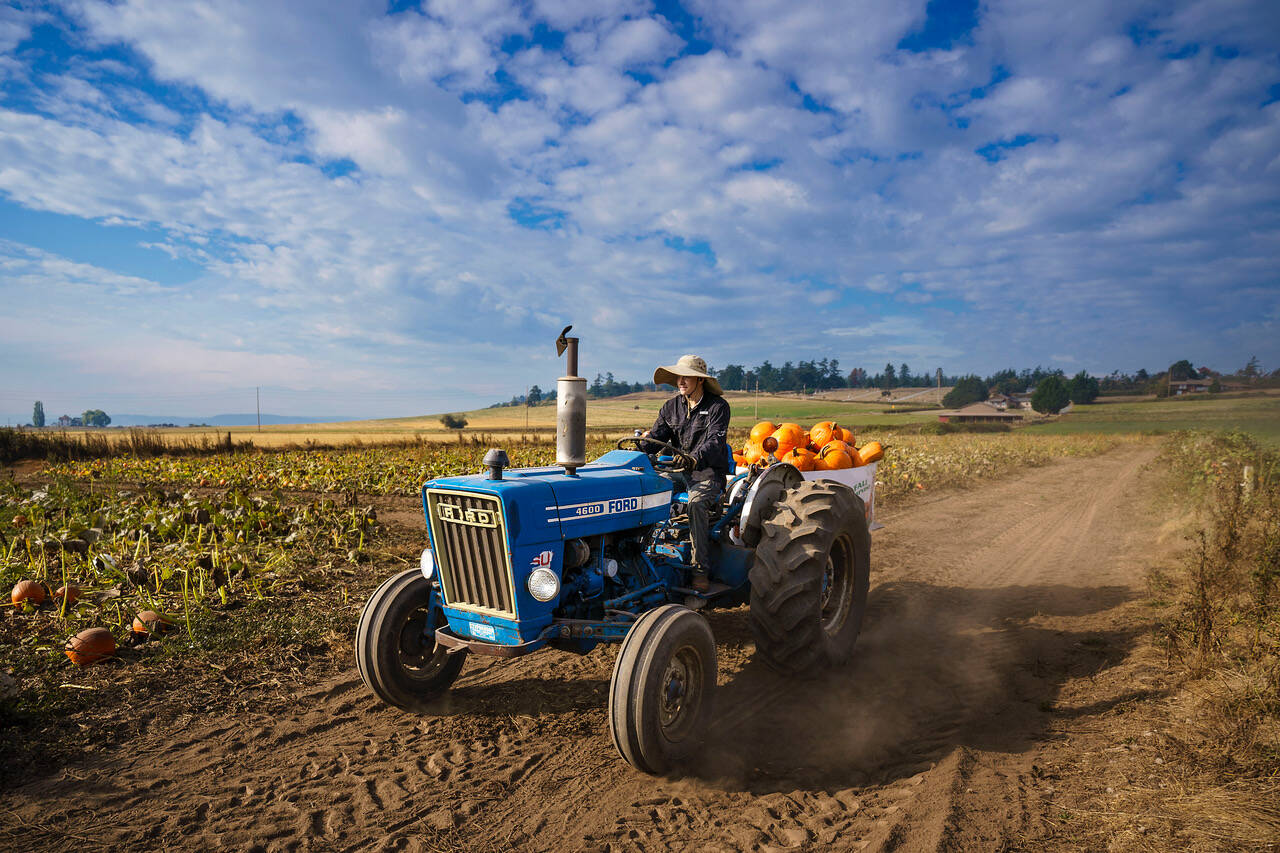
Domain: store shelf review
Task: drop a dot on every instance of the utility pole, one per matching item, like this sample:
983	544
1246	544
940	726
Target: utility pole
757	399
257	393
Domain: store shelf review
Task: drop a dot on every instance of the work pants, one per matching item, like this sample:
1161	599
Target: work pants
702	496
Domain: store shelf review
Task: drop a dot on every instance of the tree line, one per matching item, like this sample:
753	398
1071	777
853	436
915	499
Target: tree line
826	374
90	417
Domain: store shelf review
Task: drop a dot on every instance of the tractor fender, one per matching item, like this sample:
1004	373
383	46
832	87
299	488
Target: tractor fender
764	496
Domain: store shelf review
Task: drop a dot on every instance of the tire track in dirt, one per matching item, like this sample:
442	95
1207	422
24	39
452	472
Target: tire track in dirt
978	607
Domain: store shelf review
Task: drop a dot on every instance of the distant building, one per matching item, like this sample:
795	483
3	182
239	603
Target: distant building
1002	401
1190	386
977	413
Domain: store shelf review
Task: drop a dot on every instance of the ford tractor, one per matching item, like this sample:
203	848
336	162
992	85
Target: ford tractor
583	553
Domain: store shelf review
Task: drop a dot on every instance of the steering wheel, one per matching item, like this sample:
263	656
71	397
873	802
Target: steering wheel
681	462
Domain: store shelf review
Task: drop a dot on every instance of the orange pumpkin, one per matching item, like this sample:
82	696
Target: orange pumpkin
836	444
789	436
870	452
739	459
822	433
801	457
151	622
763	429
28	591
90	646
836	456
70	592
846	435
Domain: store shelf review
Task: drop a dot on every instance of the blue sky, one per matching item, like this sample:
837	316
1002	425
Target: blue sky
390	209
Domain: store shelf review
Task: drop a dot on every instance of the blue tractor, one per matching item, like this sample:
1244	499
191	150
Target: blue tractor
579	554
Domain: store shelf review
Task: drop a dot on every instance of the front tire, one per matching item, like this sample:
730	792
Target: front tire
810	578
662	688
396	652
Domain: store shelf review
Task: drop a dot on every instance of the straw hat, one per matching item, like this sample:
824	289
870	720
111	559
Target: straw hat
688	365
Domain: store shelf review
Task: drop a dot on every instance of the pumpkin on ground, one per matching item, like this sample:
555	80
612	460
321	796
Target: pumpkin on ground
151	622
70	592
762	430
28	591
90	646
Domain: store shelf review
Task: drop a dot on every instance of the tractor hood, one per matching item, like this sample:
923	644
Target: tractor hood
620	490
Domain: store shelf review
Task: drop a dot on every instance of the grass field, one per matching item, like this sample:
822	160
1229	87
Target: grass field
615	416
1258	415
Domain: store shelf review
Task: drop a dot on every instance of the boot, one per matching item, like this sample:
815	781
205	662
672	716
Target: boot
701	581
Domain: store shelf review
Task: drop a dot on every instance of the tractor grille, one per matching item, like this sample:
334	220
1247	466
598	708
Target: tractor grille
471	550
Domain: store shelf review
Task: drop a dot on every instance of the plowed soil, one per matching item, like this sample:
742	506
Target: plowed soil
1007	629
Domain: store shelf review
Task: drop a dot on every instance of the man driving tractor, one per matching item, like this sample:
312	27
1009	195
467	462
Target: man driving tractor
697	421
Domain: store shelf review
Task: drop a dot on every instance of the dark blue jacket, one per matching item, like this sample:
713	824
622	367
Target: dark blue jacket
701	434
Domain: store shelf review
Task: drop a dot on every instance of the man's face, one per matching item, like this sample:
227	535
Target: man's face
690	386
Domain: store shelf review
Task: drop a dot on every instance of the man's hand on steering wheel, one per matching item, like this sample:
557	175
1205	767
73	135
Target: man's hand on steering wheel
681	461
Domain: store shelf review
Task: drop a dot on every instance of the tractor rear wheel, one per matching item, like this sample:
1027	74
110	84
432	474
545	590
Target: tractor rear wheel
810	577
662	688
396	650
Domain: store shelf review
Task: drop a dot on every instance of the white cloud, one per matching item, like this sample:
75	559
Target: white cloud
803	147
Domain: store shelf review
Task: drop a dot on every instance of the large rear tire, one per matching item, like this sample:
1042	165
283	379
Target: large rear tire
810	577
396	650
662	688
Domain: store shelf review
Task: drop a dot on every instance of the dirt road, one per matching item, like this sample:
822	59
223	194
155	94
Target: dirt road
996	616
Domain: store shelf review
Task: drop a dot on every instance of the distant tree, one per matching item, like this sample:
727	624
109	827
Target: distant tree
733	376
969	389
1251	370
453	421
890	377
1051	395
95	418
1083	388
905	379
37	414
535	396
856	377
1215	387
1182	370
1006	382
1141	375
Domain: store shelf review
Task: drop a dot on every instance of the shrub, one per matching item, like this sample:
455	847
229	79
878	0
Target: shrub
970	389
1051	396
453	421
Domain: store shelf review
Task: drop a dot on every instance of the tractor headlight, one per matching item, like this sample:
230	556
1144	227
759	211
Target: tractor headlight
428	564
543	584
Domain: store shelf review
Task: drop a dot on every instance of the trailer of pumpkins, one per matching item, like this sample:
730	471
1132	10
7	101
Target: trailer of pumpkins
825	451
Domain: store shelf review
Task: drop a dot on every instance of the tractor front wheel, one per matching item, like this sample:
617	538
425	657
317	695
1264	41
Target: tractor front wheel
810	577
396	650
662	687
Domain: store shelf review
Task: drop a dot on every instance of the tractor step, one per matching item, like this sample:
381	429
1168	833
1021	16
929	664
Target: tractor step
713	590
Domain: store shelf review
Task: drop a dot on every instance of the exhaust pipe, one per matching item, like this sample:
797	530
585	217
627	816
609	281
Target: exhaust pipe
571	409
